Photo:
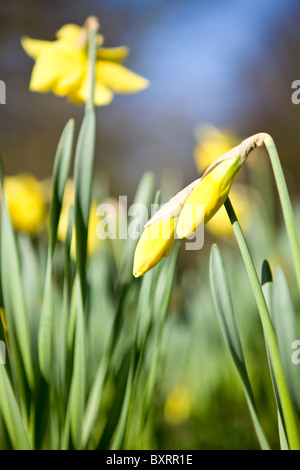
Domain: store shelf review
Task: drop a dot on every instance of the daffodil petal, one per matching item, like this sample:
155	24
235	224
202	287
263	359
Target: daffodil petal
99	40
210	194
71	77
34	47
102	95
156	242
118	78
69	31
115	54
59	69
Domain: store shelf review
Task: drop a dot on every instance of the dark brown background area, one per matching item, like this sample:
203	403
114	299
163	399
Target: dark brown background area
229	63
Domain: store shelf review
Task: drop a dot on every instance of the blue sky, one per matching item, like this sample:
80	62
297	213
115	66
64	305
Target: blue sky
197	55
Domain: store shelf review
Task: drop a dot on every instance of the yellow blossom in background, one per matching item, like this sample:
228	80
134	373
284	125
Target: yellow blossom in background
61	66
178	405
211	142
27	203
94	243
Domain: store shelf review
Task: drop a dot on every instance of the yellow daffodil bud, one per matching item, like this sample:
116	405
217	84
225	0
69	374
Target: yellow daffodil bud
210	193
156	242
26	202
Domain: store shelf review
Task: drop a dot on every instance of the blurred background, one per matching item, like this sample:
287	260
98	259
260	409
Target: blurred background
230	64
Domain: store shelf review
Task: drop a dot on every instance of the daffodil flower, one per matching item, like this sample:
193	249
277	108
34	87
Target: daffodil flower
61	66
178	405
27	203
211	141
211	192
157	239
94	244
156	242
178	218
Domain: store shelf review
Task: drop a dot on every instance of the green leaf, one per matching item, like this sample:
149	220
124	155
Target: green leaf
267	283
163	278
83	176
267	287
94	400
121	381
45	336
13	293
287	332
163	281
225	313
144	195
64	317
11	413
78	384
60	175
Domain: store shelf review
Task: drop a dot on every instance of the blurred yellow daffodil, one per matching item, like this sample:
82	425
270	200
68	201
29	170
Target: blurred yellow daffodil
93	242
242	200
61	66
27	203
210	143
178	405
208	192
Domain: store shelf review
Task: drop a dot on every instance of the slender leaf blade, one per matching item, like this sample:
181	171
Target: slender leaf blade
13	293
59	179
11	413
78	384
60	175
225	313
83	175
287	332
267	288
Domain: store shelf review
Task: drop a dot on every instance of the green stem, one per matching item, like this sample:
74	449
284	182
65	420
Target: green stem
92	51
83	200
287	408
286	205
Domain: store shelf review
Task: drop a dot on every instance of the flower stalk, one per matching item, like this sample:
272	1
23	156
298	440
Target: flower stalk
92	25
287	408
286	204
